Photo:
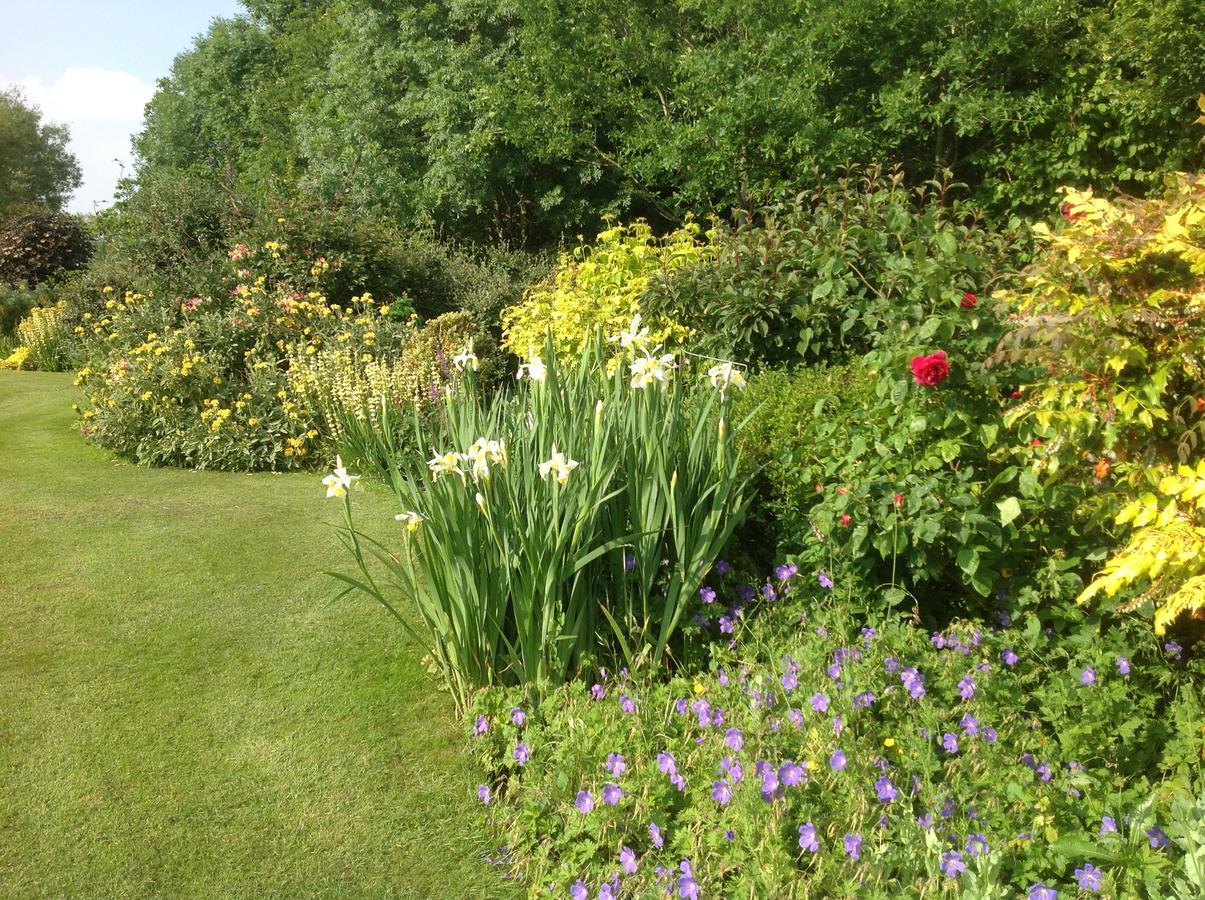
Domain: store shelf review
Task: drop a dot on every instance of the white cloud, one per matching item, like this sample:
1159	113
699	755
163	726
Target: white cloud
103	108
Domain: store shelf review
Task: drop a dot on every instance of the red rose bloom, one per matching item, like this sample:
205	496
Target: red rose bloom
898	500
845	520
930	370
969	300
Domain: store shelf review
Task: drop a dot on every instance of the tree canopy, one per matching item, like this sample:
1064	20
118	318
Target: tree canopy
531	120
36	168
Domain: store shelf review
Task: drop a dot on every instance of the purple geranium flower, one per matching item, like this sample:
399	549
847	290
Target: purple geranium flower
819	702
579	891
1088	677
655	835
966	687
481	726
483	793
863	700
611	794
853	845
807	838
522	754
1123	666
627	704
977	845
885	789
790	680
627	859
1158	838
969	725
597	692
616	764
825	581
1174	650
1010	658
1041	891
721	792
988	734
1108	825
949	742
1089	878
707	595
951	864
722	567
584	802
837	760
734	738
791	774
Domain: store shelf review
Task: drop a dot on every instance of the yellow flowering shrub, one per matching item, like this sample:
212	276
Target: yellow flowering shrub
338	384
1166	554
600	286
41	339
1112	321
204	381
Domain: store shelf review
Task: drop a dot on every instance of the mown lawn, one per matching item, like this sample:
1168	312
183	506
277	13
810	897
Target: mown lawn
183	710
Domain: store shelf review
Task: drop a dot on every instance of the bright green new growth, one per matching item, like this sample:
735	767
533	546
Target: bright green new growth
565	525
600	287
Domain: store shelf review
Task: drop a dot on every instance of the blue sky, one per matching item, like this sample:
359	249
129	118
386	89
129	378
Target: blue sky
92	64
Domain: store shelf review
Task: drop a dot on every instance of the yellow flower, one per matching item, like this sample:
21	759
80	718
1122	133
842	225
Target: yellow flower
253	421
889	743
699	688
412	519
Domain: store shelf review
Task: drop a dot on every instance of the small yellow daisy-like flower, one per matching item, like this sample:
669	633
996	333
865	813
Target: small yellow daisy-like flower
889	743
699	688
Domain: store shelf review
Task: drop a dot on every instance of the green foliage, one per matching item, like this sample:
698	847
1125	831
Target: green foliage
821	278
531	122
36	169
1027	773
871	471
175	227
15	303
566	525
39	244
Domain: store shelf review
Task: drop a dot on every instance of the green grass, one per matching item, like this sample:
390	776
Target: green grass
183	709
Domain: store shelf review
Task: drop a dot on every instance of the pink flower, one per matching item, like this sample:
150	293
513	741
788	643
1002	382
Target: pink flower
930	370
845	520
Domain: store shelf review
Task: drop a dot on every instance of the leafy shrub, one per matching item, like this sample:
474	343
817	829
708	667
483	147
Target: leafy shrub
202	381
567	523
38	244
600	287
16	300
1167	552
831	754
176	228
821	278
913	486
1111	319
